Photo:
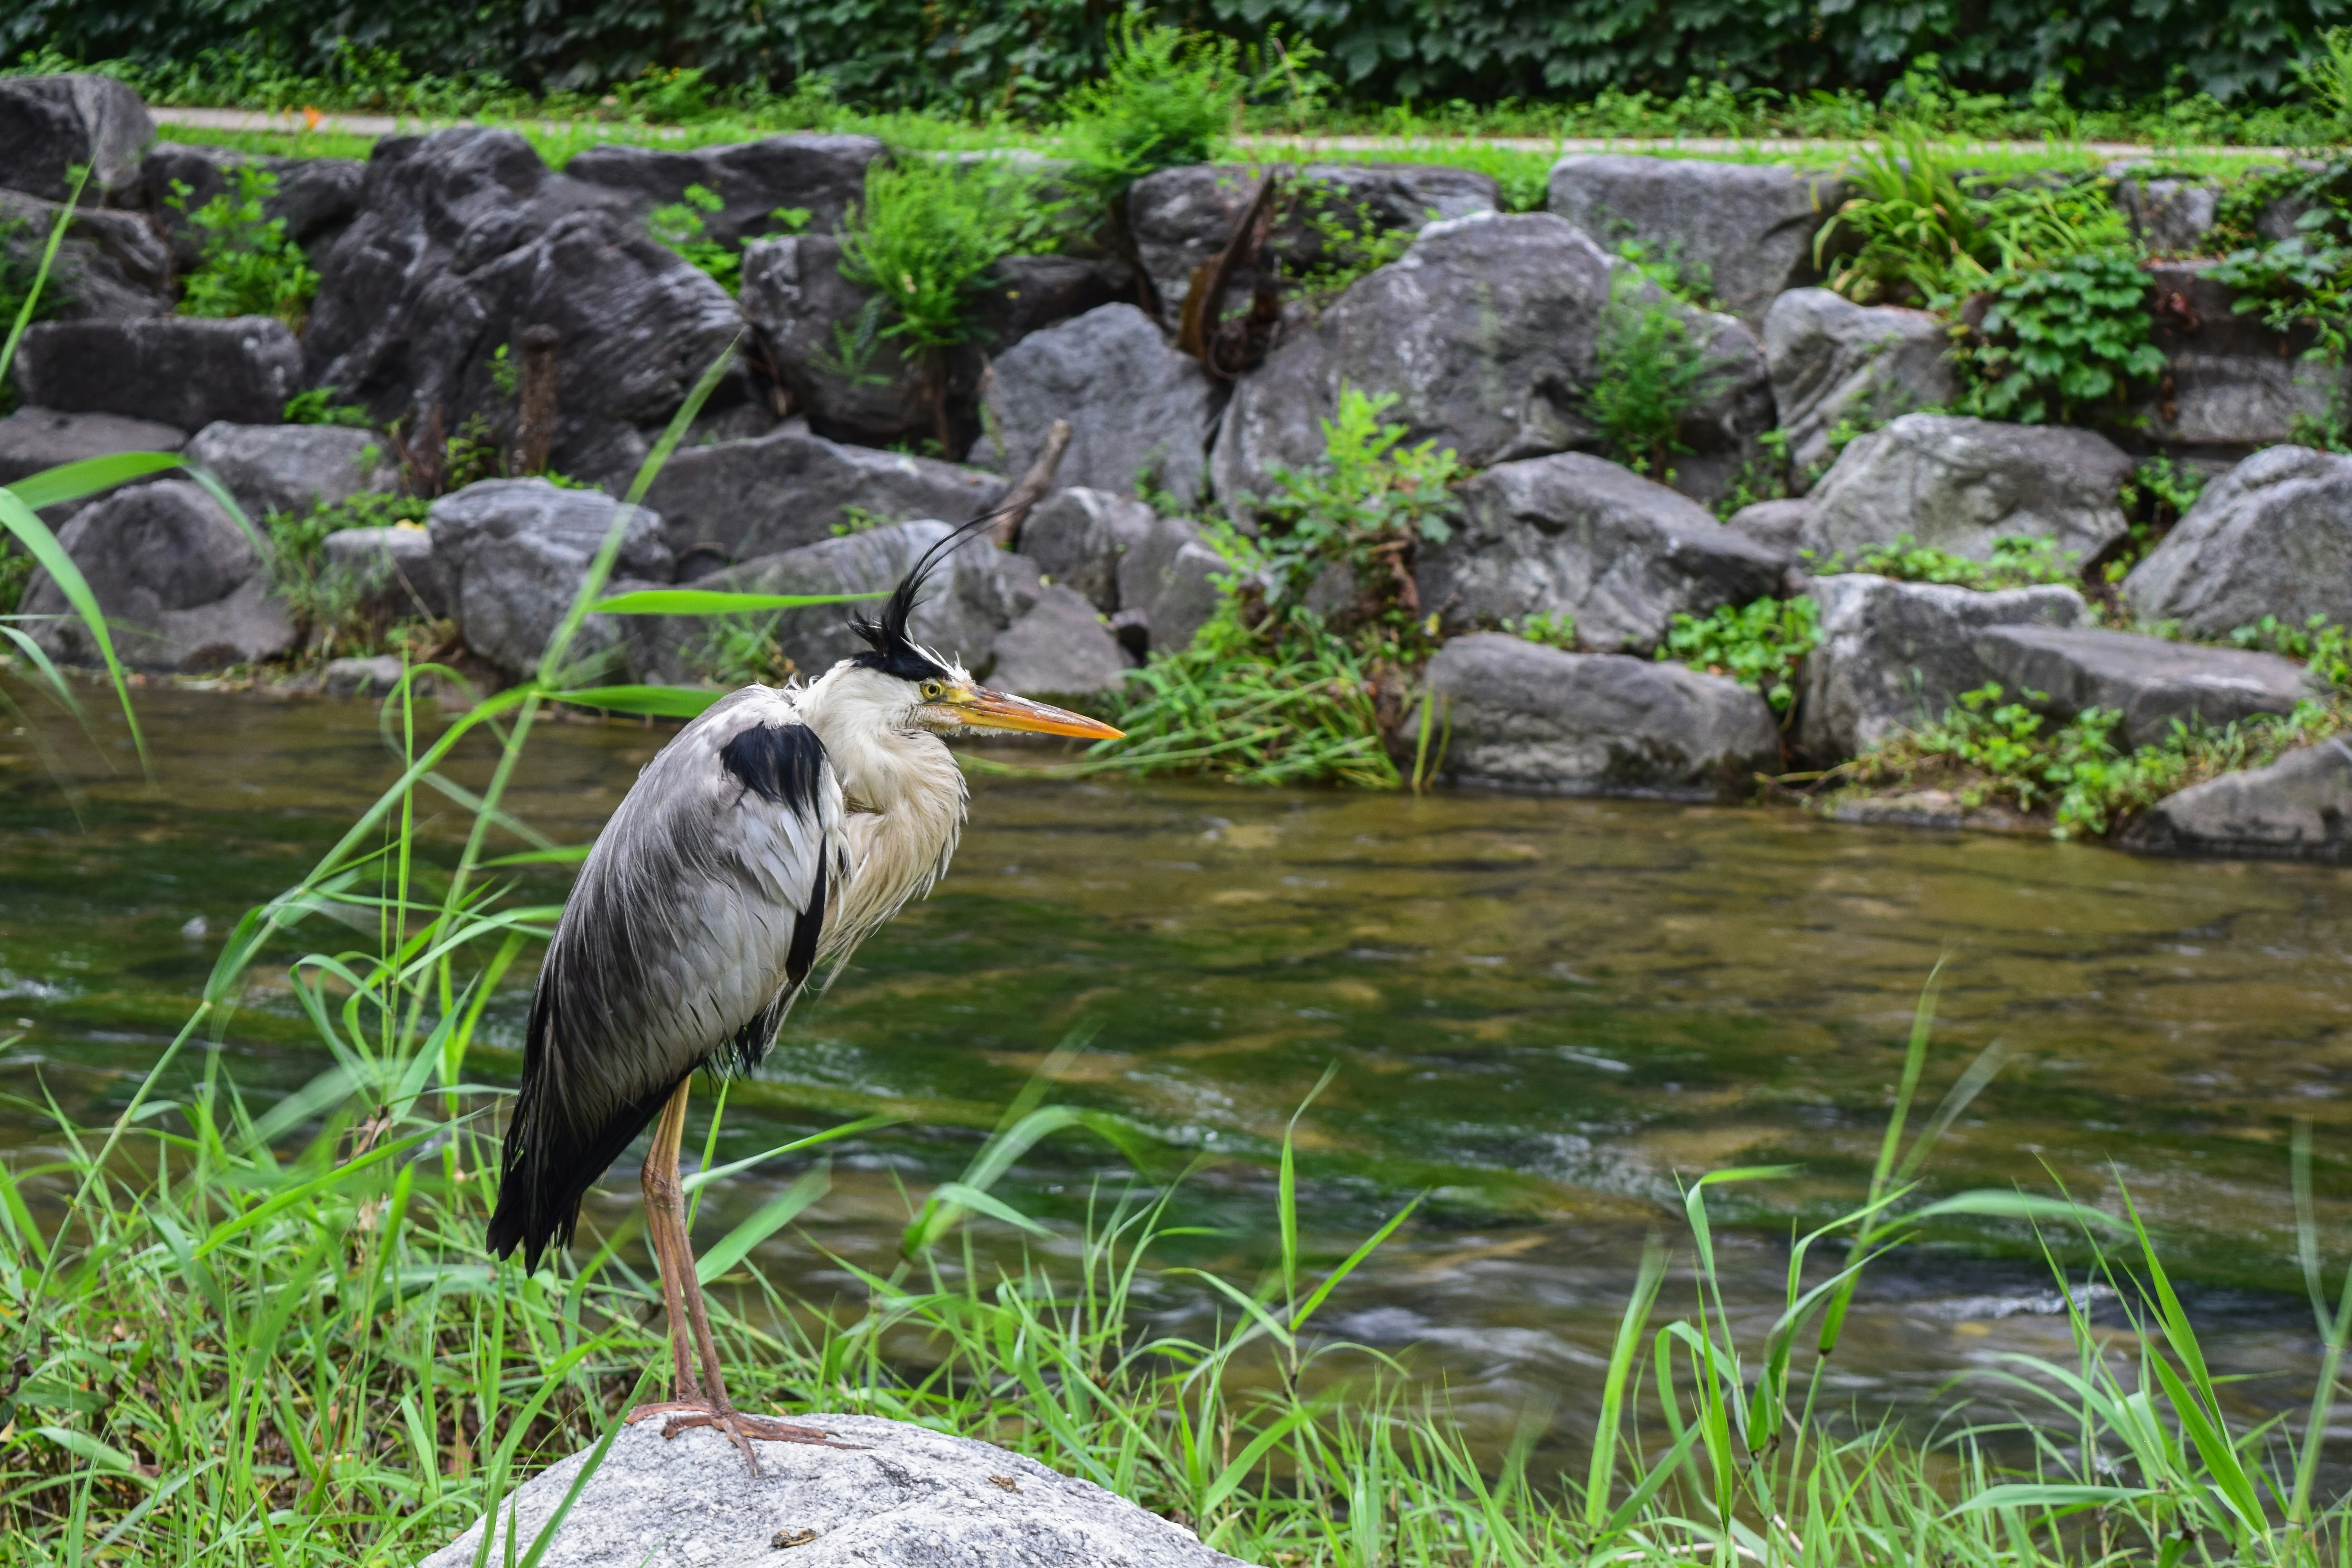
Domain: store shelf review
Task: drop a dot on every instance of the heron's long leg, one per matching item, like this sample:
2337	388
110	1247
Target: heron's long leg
665	1202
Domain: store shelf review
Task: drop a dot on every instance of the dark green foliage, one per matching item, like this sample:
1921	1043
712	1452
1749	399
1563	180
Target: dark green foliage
2200	54
2060	337
1759	645
929	229
1166	99
249	267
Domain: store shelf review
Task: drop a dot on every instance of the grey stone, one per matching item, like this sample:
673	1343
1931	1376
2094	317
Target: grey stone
822	335
2149	680
292	468
515	553
1530	716
2271	537
2170	216
1778	526
181	584
1026	294
315	197
907	1497
395	567
821	175
50	123
1168	582
1835	362
977	592
1486	329
1181	218
1746	230
2231	385
173	370
733	500
109	265
2297	808
1078	536
1893	655
32	439
365	676
464	240
1134	404
1580	535
1958	485
1060	648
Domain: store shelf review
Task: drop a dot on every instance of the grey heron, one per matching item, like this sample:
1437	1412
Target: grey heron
769	838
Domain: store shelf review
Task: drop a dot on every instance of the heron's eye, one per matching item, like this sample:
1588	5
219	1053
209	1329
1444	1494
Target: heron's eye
933	690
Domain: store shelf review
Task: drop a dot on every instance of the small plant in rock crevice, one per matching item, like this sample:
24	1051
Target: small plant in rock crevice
1761	645
1552	628
677	226
2059	338
2157	495
2300	283
2016	561
1648	373
249	267
317	406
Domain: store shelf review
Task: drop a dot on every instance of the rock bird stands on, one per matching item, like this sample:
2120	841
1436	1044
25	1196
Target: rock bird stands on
763	844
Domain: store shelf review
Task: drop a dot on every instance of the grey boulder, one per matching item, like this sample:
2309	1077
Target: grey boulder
291	468
182	586
1573	533
1778	526
32	439
2170	216
1136	408
50	123
1836	363
394	568
1168	583
1958	485
2152	682
2298	808
173	370
110	265
316	198
824	337
1744	230
464	240
1060	648
977	592
515	553
1487	332
2272	536
362	675
819	174
2231	384
1078	536
906	1496
733	500
1894	655
1182	218
1526	716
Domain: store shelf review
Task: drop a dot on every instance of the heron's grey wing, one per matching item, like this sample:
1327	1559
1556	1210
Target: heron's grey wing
696	920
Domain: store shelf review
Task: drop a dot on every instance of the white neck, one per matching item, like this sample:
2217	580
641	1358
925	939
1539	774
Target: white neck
905	793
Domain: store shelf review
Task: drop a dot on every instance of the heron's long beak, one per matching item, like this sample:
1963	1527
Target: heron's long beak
984	710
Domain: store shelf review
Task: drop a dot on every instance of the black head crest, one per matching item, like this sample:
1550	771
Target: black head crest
895	651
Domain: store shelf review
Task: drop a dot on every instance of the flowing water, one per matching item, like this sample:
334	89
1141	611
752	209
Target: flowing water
1543	1013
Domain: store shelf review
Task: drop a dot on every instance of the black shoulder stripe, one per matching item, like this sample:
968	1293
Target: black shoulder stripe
782	763
802	955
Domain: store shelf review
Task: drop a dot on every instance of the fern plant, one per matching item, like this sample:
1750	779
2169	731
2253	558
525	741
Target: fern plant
249	267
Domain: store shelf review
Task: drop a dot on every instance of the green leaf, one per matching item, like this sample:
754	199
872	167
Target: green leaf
73	481
703	602
43	546
661	701
2039	1495
765	1221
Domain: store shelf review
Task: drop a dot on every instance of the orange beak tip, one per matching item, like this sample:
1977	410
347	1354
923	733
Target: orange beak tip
986	709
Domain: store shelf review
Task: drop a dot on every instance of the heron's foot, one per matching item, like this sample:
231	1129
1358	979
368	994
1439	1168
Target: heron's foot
740	1426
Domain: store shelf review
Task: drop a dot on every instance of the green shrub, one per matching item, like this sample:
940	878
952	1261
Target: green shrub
1350	242
2018	560
677	226
250	267
928	232
1648	373
2062	335
2304	281
2157	494
1166	98
317	406
738	650
1759	645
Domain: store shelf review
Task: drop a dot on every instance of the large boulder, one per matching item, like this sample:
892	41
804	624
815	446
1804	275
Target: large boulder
515	553
108	265
1896	656
2231	384
819	174
2297	808
315	197
48	124
977	592
1958	485
394	569
2271	537
1530	716
732	501
183	587
173	370
32	439
1835	362
896	1496
1487	332
1777	527
1580	535
1026	294
1181	218
292	468
2151	681
824	338
1168	583
465	239
1744	231
1138	409
2170	216
1060	648
1078	536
